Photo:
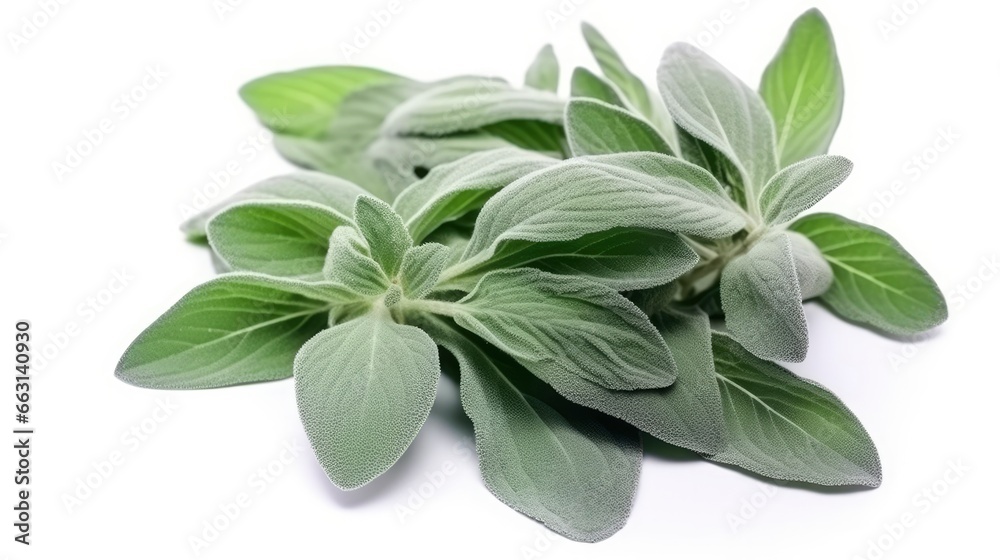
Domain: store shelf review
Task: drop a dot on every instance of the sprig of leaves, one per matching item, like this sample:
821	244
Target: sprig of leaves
568	253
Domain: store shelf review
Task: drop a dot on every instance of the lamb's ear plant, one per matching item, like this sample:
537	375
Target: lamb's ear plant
568	254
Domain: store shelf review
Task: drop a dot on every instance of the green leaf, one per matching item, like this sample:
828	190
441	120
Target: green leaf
337	194
804	89
280	238
798	187
588	195
384	231
467	104
544	71
782	426
364	389
452	190
714	106
304	102
573	469
876	282
349	262
814	273
236	328
571	324
422	266
585	83
595	128
763	301
541	137
622	259
614	68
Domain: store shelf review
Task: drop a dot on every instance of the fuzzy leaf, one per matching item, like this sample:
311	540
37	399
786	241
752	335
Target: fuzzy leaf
876	282
452	190
304	102
279	238
384	231
364	389
236	328
714	106
599	193
349	262
804	89
544	71
571	324
782	426
798	187
614	68
814	273
763	301
338	194
573	469
595	128
467	104
585	83
422	265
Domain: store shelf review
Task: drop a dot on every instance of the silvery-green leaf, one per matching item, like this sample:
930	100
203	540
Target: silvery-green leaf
782	426
804	89
279	237
876	282
349	262
763	301
544	71
364	389
542	137
304	102
585	83
798	187
422	265
320	188
614	68
451	190
573	469
571	324
384	231
595	127
236	328
467	104
814	273
622	259
455	236
588	195
714	106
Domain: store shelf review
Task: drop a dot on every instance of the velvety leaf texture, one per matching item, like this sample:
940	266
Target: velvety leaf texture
573	324
349	262
543	73
595	128
573	469
763	301
804	89
279	238
814	273
364	389
422	265
468	104
584	83
876	282
237	328
614	68
384	231
714	106
337	194
782	426
452	190
798	187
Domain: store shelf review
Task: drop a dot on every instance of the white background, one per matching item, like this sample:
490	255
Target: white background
927	406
